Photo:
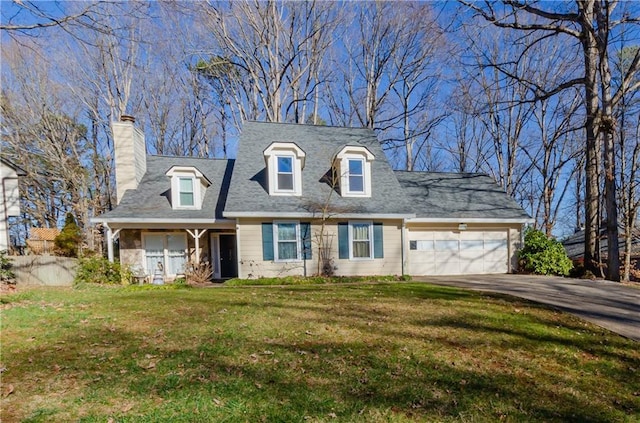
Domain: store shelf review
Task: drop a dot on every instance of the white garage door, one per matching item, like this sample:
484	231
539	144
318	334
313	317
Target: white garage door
457	253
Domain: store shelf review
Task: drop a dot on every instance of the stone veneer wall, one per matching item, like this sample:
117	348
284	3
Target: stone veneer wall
131	250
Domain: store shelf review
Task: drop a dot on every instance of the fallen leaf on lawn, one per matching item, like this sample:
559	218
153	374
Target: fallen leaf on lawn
127	407
217	402
333	415
8	390
148	365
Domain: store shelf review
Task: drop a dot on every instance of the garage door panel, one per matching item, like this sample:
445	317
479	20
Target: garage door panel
469	267
494	267
471	255
451	267
500	255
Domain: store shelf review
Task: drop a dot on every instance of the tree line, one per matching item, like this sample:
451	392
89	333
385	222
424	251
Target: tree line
541	96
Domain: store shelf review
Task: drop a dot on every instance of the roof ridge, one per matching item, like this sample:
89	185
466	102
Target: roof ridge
162	156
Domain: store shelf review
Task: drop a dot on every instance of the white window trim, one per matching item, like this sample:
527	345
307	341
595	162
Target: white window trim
199	182
165	255
342	163
284	149
371	242
275	225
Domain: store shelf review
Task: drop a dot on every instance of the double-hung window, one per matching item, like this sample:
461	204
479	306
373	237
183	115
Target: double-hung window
187	195
356	176
361	237
360	240
287	240
285	173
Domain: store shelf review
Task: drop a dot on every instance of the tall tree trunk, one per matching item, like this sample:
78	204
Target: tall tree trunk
591	236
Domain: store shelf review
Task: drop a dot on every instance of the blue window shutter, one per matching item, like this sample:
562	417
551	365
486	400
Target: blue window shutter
305	234
343	240
267	241
378	246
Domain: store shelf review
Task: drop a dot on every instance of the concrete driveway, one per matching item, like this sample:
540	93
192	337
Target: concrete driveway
608	304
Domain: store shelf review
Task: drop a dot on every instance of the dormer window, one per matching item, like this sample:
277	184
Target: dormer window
188	186
285	161
353	165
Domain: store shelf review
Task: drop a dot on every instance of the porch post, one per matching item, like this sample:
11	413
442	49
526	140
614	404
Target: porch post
109	243
197	234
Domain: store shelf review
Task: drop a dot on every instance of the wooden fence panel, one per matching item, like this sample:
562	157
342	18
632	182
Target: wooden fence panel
44	270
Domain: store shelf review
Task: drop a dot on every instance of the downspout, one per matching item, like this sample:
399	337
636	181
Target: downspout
238	259
403	248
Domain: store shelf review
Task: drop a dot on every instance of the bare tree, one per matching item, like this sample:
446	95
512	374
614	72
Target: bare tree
278	50
42	134
591	24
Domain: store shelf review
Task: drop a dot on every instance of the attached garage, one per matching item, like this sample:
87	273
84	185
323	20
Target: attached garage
449	252
465	224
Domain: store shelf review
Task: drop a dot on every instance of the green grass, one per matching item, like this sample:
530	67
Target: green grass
336	353
313	280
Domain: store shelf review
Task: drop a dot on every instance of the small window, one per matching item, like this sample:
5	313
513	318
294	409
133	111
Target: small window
286	236
187	198
356	176
285	173
361	236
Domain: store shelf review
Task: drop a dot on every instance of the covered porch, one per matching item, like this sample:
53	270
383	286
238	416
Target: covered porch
168	247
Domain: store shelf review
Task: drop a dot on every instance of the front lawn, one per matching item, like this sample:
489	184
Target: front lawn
358	353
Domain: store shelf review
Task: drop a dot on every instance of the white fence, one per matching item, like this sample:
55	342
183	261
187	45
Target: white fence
44	270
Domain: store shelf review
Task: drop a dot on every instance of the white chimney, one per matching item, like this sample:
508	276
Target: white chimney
131	155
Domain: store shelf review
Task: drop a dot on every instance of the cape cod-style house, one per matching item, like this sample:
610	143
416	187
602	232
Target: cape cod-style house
302	199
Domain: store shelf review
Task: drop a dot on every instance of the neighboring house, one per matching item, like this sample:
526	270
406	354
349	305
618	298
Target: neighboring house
10	198
42	240
574	245
302	198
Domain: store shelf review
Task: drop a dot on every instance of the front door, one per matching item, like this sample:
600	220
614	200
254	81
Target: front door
228	257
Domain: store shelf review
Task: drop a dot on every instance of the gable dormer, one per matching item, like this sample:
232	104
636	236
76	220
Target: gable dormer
188	186
284	161
353	165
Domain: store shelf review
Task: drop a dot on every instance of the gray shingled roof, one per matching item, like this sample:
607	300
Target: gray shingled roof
574	244
249	193
458	195
151	200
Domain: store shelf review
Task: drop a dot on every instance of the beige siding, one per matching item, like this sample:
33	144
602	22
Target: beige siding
252	264
10	199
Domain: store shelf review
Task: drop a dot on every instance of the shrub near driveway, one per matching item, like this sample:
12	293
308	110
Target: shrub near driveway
368	353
